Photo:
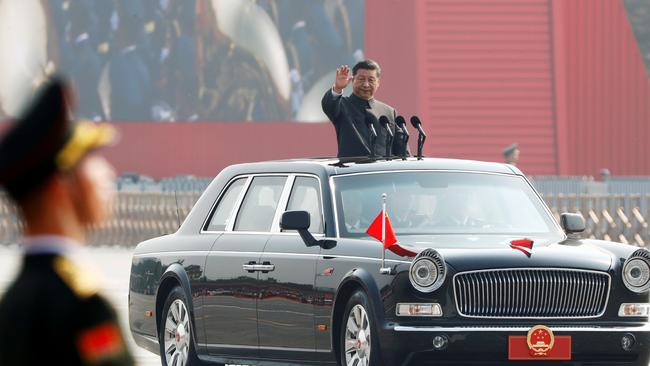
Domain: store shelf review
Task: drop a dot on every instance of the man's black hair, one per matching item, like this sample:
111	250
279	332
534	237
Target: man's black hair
366	65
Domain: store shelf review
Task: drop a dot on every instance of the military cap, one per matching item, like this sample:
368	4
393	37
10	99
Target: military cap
44	140
510	149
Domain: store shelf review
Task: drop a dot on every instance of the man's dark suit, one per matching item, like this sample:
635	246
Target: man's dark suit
351	117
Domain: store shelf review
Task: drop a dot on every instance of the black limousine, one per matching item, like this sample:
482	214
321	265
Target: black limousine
274	265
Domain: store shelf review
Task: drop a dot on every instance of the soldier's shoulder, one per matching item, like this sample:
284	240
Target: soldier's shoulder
82	283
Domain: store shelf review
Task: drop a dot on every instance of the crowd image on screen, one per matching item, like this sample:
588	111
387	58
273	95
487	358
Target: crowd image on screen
200	60
639	14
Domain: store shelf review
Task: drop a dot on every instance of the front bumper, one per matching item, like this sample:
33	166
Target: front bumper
593	345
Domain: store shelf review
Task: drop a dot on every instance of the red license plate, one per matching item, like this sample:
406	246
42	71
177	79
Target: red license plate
522	348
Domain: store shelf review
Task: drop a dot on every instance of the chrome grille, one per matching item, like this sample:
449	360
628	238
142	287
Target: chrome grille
531	293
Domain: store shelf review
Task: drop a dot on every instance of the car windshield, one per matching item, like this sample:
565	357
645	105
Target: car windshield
423	203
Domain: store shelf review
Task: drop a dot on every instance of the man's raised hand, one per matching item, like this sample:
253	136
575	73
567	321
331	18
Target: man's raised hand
343	78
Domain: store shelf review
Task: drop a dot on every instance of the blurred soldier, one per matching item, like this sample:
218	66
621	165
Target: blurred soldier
605	174
51	169
353	115
511	154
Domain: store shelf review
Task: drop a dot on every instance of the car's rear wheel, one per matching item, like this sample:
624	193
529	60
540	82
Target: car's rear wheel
175	332
358	339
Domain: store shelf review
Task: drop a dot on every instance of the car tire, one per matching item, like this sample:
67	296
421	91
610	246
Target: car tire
175	334
359	340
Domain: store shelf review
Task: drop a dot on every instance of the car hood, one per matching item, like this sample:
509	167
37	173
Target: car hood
465	253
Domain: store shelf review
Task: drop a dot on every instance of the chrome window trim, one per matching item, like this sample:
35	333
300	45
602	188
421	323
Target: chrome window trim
216	202
541	269
282	202
320	196
250	181
334	206
275	227
522	177
240	200
632	329
237	206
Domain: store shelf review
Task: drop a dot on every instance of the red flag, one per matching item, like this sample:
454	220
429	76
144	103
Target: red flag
523	245
401	251
374	230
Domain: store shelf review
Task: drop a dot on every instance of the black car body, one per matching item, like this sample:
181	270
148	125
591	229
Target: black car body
258	294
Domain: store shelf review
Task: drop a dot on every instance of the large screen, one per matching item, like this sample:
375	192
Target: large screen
180	60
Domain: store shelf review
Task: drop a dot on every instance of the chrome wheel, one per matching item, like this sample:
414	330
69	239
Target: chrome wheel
357	337
177	334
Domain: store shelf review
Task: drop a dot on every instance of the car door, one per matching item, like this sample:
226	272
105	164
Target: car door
285	307
230	306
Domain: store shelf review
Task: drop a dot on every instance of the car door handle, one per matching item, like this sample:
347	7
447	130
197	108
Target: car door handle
266	267
252	267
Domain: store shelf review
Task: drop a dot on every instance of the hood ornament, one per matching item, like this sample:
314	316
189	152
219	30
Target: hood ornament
523	245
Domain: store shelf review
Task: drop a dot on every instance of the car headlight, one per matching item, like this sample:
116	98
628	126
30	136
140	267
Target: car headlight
636	271
428	271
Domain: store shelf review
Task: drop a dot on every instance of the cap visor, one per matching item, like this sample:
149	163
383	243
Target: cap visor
85	137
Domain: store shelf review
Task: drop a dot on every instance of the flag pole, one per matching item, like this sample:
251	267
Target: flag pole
383	269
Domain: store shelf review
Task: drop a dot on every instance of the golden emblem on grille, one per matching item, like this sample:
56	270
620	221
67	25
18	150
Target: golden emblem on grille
540	340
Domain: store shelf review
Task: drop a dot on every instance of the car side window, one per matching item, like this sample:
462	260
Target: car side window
260	203
305	196
223	211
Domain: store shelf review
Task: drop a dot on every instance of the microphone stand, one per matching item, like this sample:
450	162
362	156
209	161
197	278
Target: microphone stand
383	121
389	144
421	138
415	121
373	139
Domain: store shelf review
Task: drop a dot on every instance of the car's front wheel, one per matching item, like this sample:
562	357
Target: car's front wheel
175	332
359	341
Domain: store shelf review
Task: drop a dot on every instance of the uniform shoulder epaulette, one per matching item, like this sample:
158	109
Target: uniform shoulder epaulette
82	283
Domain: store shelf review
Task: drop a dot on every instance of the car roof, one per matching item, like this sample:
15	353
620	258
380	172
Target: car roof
338	166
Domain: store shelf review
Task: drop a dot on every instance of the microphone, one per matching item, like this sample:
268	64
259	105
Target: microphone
401	123
415	121
383	121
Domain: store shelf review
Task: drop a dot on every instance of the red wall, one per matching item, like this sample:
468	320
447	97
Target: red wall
204	148
603	118
486	80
